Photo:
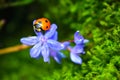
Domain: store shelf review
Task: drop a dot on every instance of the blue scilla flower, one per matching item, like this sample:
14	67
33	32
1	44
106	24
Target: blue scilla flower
45	45
78	49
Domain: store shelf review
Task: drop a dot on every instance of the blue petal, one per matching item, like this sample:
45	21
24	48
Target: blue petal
45	52
85	41
61	55
55	36
66	44
78	49
78	39
38	33
36	50
55	45
57	56
58	60
29	40
51	32
54	55
75	58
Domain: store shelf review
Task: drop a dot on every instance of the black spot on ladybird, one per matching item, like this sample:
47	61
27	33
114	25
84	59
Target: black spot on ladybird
46	21
46	26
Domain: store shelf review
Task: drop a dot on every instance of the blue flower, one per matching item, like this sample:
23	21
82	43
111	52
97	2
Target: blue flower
45	45
78	48
57	55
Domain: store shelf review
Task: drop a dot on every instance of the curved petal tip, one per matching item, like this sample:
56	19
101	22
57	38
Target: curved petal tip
75	58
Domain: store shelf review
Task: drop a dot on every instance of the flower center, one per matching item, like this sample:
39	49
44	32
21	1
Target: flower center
43	39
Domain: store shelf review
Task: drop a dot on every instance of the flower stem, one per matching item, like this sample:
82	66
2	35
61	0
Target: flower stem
13	49
71	40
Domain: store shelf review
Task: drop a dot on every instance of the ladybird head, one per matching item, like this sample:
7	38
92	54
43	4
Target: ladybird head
41	24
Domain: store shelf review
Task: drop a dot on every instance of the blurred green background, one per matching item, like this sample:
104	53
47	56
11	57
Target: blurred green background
97	20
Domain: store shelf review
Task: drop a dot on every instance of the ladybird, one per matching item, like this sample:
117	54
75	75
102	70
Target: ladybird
41	24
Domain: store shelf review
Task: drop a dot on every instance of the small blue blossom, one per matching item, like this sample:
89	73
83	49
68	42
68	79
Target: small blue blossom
45	45
78	48
57	55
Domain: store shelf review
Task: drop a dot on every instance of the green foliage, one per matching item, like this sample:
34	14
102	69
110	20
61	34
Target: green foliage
98	21
4	4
